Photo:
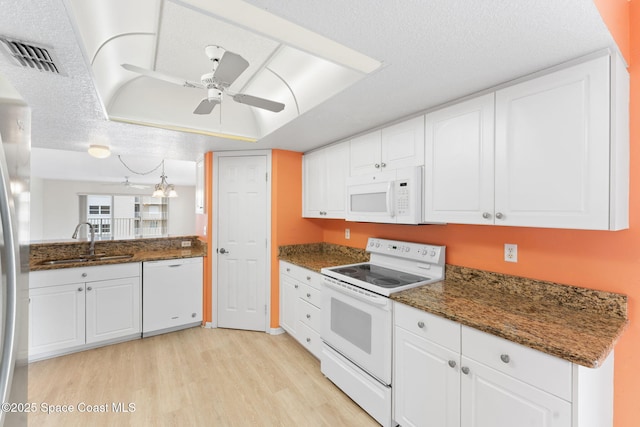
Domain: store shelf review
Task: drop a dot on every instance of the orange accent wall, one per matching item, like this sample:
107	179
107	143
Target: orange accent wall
287	225
204	230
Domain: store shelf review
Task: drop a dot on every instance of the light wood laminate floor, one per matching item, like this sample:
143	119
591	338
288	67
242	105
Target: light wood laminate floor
195	377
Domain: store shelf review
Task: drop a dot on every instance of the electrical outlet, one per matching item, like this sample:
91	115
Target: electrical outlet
186	243
347	233
510	252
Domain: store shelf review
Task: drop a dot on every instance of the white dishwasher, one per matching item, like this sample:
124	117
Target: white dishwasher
171	295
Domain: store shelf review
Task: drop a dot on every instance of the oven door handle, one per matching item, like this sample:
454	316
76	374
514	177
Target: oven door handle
367	297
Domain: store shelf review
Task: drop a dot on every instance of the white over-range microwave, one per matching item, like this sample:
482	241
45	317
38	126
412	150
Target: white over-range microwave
393	197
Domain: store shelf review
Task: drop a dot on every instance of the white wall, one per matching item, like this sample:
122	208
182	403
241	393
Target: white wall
55	207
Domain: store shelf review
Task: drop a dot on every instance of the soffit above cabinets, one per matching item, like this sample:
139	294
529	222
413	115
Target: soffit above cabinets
287	63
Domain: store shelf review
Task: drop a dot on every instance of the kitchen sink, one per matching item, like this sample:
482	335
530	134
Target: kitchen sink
86	259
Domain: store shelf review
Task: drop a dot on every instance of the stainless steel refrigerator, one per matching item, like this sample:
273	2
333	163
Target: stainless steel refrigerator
15	141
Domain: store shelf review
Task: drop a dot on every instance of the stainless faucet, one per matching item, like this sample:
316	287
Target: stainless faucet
92	245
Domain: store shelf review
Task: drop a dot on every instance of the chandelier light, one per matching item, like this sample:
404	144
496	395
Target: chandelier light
164	189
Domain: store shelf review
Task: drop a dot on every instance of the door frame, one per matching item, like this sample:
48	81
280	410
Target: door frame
214	233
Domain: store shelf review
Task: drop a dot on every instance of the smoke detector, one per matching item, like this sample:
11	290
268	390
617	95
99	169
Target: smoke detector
30	55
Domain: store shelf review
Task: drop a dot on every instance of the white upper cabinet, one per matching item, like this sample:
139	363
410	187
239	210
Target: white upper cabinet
557	157
561	149
325	172
459	149
393	147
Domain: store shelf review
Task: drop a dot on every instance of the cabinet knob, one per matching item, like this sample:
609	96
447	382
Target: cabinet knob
499	215
89	288
308	277
377	166
295	286
486	215
308	316
452	363
84	274
505	358
80	289
421	324
308	295
288	270
384	165
465	370
193	315
308	339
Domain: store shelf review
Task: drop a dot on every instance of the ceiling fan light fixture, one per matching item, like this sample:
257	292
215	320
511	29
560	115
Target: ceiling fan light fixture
99	151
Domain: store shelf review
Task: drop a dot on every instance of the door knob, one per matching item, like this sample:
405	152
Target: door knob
223	251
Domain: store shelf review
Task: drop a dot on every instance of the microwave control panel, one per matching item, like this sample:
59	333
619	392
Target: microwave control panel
403	197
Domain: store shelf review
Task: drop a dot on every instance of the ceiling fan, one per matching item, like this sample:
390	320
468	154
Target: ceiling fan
227	67
127	183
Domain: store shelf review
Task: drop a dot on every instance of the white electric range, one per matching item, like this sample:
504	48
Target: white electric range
357	317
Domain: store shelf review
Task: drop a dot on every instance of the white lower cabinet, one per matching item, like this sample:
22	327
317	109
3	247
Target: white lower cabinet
300	305
450	375
76	308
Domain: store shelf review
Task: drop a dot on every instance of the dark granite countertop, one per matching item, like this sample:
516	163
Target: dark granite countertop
576	324
315	256
142	250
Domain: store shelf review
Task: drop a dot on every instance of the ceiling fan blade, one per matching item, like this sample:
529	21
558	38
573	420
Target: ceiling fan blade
206	106
230	67
159	76
254	101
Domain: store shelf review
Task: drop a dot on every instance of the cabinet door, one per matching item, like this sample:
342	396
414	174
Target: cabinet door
402	145
113	309
364	156
314	191
336	171
459	157
288	303
552	149
56	318
492	399
426	387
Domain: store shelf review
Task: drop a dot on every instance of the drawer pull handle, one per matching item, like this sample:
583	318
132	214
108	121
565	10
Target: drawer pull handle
505	358
465	370
308	295
452	363
421	324
308	316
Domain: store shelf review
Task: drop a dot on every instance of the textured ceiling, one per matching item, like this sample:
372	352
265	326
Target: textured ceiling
432	52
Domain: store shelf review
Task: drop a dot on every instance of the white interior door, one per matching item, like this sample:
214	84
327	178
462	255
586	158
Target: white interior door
242	274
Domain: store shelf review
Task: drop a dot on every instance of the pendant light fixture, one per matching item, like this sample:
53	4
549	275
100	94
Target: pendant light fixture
164	189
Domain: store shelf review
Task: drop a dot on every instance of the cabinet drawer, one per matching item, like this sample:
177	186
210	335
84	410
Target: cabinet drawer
301	274
309	314
310	339
311	295
541	370
442	331
38	279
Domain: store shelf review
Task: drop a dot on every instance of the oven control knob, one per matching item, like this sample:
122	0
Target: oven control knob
371	243
433	253
377	244
424	252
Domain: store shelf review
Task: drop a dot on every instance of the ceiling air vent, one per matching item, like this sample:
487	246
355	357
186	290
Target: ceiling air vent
29	55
